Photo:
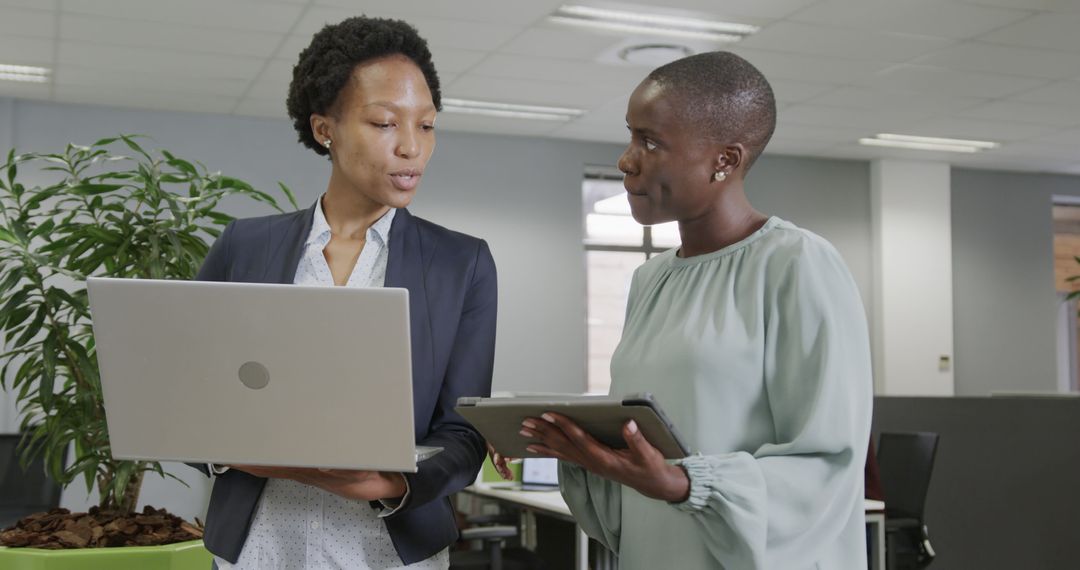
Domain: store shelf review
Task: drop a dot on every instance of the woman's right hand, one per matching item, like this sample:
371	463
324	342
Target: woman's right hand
500	463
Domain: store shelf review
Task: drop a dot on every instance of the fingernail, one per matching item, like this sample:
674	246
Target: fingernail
525	433
496	458
632	426
548	417
531	449
528	424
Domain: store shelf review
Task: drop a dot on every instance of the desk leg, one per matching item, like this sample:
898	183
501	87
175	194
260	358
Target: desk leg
581	549
877	522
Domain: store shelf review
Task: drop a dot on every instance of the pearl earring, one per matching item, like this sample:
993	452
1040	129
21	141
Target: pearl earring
720	176
326	143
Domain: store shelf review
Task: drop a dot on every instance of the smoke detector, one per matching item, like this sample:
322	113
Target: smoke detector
653	54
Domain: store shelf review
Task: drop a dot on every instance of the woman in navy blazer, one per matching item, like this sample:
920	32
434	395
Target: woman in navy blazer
365	93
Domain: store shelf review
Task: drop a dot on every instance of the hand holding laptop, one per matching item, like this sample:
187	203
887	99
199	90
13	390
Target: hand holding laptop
349	483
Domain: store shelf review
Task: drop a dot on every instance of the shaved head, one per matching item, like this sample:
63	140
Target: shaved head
723	96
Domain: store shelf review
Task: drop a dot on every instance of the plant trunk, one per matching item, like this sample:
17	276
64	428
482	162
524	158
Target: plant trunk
124	504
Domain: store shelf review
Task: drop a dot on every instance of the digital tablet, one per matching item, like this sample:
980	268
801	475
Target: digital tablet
499	420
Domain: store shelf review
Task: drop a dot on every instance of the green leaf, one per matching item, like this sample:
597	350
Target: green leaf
289	194
33	328
94	189
8	237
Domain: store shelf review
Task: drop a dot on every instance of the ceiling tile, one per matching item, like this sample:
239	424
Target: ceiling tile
940	80
67	75
791	131
979	129
145	99
25	90
1063	92
270	91
840	42
262	107
28	4
442	33
454	61
277	71
1041	113
748	8
810	68
162	61
171	36
1069	137
27	23
26	51
863	98
551	69
471	86
1009	60
482	124
569	43
234	14
919	17
1046	30
500	12
1049	5
872	121
1029	149
789	91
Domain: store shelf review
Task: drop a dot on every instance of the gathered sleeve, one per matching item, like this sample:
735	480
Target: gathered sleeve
595	502
780	505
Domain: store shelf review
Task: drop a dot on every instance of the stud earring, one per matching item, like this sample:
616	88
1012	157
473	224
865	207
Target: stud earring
326	143
719	176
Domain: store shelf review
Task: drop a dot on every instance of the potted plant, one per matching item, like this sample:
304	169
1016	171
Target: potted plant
112	209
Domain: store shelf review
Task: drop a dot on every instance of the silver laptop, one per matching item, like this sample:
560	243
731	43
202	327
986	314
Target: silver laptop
256	374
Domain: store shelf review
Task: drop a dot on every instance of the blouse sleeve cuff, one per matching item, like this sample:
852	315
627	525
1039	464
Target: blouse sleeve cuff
703	478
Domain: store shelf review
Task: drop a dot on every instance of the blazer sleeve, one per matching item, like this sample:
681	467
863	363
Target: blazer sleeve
214	269
468	373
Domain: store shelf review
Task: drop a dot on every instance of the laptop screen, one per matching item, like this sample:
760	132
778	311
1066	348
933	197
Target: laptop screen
540	471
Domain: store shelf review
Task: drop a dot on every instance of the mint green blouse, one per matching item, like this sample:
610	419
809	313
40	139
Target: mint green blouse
759	353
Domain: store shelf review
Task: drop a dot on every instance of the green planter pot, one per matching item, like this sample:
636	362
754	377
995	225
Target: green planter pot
179	556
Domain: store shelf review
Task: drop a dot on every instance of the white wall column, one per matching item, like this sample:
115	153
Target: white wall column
912	255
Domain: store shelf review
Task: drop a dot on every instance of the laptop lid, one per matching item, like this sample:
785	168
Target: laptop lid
261	374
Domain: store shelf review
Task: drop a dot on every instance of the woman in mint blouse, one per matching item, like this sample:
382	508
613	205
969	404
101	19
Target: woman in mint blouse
752	337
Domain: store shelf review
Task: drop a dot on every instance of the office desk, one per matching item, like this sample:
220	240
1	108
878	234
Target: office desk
550	503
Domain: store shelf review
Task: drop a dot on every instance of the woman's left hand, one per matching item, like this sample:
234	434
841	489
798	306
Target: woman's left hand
348	483
640	466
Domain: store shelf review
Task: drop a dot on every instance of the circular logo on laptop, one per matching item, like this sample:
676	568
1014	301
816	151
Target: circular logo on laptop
254	375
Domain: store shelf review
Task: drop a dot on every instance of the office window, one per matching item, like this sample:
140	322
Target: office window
1066	217
615	245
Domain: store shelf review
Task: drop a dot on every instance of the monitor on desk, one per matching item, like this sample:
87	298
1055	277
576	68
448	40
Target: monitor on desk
539	474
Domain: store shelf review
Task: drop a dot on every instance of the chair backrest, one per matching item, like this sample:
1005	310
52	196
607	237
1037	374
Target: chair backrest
31	490
906	462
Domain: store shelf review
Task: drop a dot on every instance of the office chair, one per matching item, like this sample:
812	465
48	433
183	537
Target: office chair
906	462
493	530
23	493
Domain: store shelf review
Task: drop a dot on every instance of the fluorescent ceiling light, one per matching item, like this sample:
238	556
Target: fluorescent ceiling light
651	24
24	73
938	140
510	110
928	143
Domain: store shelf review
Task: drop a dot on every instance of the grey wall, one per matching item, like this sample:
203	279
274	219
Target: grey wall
828	197
1003	493
1004	303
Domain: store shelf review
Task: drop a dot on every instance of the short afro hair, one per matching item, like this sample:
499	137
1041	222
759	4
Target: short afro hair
326	66
727	96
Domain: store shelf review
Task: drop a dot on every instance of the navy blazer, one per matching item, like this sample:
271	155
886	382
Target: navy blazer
452	304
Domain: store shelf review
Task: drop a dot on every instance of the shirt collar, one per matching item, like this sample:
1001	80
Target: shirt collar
320	228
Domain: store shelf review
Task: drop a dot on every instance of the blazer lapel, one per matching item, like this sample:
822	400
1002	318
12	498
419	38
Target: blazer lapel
405	268
286	245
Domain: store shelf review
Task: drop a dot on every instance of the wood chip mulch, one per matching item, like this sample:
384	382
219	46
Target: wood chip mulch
60	528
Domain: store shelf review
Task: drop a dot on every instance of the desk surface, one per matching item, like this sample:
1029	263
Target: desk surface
552	501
